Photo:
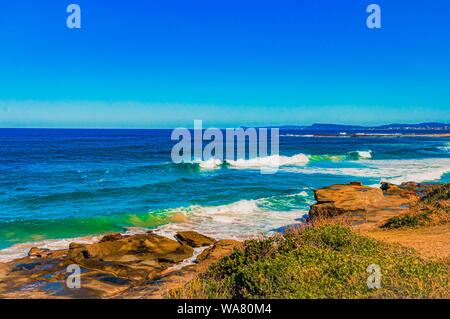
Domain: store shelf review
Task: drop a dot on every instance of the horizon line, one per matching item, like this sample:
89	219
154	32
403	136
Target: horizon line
241	126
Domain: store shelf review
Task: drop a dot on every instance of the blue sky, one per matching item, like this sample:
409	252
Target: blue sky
164	63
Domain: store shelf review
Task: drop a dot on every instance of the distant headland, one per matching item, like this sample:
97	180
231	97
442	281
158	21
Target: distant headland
394	126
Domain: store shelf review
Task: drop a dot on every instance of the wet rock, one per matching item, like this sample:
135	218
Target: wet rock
137	258
385	186
194	239
176	279
108	267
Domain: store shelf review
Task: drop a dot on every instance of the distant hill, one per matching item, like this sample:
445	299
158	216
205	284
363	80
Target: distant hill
333	127
421	126
394	126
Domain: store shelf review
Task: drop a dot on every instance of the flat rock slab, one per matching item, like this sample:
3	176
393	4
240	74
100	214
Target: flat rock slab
194	239
360	204
176	279
107	268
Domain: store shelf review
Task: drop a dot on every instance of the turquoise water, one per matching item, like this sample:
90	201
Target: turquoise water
57	184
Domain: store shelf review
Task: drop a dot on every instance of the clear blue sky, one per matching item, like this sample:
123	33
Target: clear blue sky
164	63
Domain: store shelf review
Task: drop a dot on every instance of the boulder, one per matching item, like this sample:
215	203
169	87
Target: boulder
194	239
108	267
218	250
181	253
339	199
38	252
136	258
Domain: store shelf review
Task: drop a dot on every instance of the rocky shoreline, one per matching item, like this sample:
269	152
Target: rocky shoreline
149	266
117	263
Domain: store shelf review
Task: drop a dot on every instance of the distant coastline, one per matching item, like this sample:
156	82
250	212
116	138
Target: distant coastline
429	126
319	127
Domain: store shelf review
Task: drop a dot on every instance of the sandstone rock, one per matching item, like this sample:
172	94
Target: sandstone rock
181	253
137	258
76	245
325	210
111	237
38	252
108	267
5	269
58	253
176	279
194	239
407	190
339	199
159	245
219	249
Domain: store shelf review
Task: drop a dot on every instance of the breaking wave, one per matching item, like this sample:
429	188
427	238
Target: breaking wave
445	148
245	219
272	161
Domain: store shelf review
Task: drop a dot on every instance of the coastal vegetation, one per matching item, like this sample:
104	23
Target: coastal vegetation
340	252
324	261
432	209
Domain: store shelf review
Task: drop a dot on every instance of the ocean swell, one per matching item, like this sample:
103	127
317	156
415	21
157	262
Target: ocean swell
272	161
239	220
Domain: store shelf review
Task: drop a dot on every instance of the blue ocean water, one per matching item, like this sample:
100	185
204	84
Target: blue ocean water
58	183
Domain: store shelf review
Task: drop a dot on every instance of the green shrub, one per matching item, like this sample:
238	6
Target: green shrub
407	221
328	261
441	193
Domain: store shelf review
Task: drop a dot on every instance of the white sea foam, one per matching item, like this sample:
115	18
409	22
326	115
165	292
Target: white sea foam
239	220
364	154
394	171
21	250
296	135
210	164
446	147
269	161
275	161
255	163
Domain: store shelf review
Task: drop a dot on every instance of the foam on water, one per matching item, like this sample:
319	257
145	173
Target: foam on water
364	154
275	161
270	161
21	250
239	220
446	147
255	163
394	171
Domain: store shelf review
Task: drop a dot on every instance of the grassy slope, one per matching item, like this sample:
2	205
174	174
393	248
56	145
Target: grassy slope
327	261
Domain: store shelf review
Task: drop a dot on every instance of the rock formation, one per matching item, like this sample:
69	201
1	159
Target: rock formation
109	267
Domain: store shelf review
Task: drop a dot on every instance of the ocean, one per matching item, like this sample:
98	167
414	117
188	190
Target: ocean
61	185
